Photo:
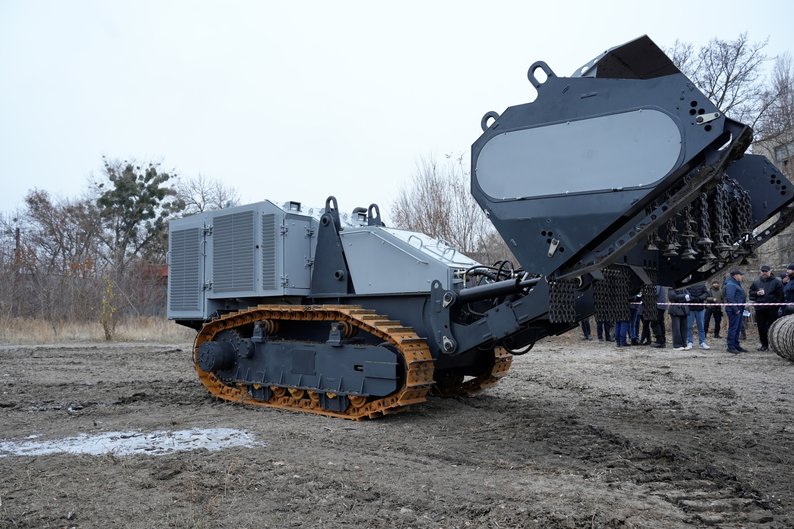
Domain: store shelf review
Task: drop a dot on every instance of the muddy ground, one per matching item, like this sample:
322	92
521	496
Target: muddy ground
579	434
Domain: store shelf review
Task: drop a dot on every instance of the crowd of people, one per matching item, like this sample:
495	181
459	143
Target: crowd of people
692	309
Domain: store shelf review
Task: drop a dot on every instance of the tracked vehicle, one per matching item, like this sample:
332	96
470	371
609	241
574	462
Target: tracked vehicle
615	179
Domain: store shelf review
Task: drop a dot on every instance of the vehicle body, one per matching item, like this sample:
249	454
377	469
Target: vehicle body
613	180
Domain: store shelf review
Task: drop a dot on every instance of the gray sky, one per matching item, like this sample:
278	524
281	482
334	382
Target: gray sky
299	100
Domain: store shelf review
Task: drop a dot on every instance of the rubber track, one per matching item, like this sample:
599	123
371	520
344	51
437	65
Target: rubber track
414	350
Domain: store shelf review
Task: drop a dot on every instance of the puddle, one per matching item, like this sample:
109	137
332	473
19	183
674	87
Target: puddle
133	443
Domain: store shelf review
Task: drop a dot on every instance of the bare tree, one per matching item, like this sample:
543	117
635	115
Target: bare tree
776	126
52	271
205	194
776	140
729	72
103	255
437	202
61	235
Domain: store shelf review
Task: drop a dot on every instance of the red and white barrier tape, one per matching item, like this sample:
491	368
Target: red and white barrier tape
748	303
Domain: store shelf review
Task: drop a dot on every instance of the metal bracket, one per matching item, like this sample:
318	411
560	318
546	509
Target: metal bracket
259	335
553	247
448	299
335	335
448	344
705	118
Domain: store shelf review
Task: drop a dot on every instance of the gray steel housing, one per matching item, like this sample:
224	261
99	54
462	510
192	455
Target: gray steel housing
391	261
260	252
254	251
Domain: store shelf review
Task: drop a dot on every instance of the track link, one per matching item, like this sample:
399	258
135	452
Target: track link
414	351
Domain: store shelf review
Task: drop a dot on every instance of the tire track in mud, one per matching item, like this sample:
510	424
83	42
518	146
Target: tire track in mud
583	440
38	397
41	409
679	471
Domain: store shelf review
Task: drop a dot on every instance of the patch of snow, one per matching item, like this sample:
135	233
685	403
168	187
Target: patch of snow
133	443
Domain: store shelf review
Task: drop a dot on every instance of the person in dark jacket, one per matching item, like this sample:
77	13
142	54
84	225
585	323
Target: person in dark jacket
586	329
645	333
766	289
715	296
735	298
698	294
679	312
623	327
635	313
788	291
604	330
658	326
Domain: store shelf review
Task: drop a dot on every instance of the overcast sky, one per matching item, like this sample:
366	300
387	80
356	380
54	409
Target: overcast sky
299	100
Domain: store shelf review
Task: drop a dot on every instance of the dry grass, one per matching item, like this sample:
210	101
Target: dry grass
142	329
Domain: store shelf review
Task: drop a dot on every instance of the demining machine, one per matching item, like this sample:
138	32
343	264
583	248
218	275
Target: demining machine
618	178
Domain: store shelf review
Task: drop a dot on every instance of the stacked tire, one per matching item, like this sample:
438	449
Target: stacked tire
781	337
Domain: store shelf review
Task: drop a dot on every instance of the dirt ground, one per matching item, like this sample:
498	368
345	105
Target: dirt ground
579	434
